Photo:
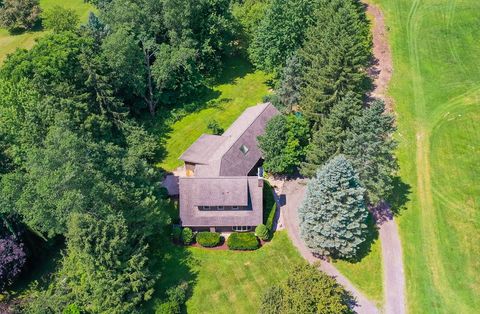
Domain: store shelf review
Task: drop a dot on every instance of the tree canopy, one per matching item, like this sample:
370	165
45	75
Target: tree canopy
280	33
335	55
333	216
306	290
284	142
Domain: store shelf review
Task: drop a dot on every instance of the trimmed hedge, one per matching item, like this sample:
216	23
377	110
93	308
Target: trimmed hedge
242	241
269	206
208	239
262	232
187	236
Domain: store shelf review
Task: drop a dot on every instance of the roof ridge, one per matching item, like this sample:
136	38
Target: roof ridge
260	113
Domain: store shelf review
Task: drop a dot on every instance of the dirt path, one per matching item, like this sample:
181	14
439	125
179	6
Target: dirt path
294	191
382	69
392	257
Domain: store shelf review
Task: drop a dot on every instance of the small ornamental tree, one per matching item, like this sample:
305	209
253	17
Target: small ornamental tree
333	214
12	259
187	236
261	231
19	15
283	144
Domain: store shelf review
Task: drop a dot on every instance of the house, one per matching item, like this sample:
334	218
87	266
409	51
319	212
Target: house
223	187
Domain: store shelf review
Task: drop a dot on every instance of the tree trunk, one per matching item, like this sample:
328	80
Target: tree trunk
149	98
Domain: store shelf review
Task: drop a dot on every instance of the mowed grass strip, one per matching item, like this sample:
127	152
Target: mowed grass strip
9	43
436	87
243	90
229	281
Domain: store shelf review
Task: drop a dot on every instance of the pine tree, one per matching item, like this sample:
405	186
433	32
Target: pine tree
336	52
370	147
290	84
333	215
329	139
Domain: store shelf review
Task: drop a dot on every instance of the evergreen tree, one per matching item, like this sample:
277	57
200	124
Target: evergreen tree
103	271
336	52
290	84
333	214
329	139
370	146
281	33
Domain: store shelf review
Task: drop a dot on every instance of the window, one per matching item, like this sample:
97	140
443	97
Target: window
221	208
206	207
234	207
244	149
241	228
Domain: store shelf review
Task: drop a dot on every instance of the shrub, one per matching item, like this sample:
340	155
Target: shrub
261	231
242	241
272	300
214	127
208	239
187	235
176	298
176	233
269	206
60	19
12	260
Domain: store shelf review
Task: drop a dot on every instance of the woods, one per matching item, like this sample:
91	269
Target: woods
78	158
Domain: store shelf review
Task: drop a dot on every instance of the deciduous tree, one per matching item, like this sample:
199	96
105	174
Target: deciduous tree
306	290
280	33
283	144
19	15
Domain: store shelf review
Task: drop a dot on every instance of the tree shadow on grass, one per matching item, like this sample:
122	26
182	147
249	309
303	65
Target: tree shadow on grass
173	264
234	68
400	196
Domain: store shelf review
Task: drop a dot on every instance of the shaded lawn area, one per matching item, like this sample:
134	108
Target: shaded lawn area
239	88
366	275
9	43
226	281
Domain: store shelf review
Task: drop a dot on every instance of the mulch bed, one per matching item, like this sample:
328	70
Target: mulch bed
223	246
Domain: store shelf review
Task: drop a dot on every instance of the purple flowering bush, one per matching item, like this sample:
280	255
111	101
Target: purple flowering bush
12	259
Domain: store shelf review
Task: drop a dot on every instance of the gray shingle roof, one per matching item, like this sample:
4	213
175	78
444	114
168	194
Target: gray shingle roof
194	190
221	155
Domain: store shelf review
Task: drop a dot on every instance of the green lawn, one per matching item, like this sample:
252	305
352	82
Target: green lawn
228	281
366	275
9	43
243	88
436	87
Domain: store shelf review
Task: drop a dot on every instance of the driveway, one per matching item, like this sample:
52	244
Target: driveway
294	191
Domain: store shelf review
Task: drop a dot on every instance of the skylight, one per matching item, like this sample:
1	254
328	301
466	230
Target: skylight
244	149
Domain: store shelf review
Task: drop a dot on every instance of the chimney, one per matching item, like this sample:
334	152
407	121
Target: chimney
260	177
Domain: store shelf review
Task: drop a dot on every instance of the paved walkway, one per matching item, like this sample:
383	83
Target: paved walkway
293	192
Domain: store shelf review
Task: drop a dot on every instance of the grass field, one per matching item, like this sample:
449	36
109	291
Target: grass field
436	87
367	275
9	43
228	281
241	88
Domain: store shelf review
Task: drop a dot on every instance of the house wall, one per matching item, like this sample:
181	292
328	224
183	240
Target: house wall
223	229
189	169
